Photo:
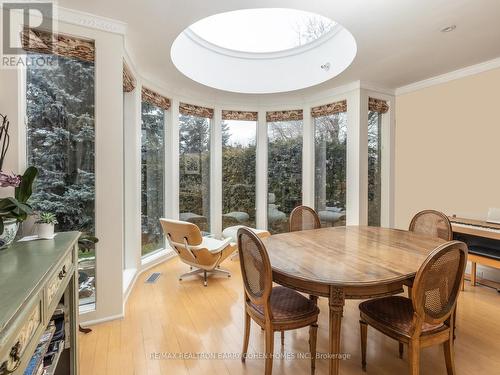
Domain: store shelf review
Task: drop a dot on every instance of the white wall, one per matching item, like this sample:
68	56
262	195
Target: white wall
447	149
109	158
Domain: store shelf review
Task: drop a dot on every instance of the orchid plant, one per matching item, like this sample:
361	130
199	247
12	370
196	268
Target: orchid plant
15	207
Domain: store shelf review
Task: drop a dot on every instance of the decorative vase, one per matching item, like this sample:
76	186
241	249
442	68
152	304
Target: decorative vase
45	231
10	227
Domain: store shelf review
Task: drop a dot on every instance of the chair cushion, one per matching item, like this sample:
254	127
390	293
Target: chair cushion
231	232
395	312
213	245
287	304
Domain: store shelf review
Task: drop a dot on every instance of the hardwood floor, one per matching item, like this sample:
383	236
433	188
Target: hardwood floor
185	317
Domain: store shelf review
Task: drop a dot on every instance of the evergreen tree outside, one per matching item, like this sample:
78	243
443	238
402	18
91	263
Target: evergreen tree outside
331	165
194	170
60	143
284	181
374	167
152	177
238	172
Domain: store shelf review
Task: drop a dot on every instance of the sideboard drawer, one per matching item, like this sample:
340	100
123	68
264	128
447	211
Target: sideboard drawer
14	350
61	274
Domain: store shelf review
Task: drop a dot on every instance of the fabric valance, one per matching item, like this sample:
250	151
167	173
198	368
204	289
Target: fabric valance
329	109
239	115
39	41
129	82
194	110
292	115
377	105
153	98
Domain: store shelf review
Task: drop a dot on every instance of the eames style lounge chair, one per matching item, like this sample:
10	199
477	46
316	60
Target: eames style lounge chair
427	317
272	308
202	253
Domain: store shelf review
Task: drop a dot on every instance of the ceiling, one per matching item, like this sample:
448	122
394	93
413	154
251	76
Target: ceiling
399	42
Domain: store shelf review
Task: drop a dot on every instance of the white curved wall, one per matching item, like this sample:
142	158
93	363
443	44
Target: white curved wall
279	72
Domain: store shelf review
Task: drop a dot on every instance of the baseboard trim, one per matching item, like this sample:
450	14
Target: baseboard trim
102	320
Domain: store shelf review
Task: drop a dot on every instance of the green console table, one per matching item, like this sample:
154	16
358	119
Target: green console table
37	279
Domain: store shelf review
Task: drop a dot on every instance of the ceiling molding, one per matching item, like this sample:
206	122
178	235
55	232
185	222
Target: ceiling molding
450	76
89	20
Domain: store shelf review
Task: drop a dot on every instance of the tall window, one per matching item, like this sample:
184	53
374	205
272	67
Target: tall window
152	176
194	167
374	167
284	182
61	144
238	172
330	163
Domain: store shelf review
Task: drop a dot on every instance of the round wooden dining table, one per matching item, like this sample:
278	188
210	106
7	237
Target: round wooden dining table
353	262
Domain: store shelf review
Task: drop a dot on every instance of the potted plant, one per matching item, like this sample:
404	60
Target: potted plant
45	225
16	209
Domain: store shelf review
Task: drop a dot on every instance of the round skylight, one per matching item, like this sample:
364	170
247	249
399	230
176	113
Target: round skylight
260	51
262	30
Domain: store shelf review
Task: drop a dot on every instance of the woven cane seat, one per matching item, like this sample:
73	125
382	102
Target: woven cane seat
394	312
287	304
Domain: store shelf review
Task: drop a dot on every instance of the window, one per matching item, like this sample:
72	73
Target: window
194	170
238	172
152	177
284	182
330	168
61	144
374	167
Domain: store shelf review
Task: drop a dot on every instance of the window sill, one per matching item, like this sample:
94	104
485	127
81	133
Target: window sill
84	309
156	258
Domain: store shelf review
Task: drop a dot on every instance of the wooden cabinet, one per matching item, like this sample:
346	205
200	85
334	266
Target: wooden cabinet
36	278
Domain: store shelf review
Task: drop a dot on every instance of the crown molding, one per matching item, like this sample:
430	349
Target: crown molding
450	76
77	17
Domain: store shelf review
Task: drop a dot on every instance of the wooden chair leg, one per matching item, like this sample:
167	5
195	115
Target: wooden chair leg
246	337
364	333
282	338
414	358
449	356
313	336
401	350
269	350
473	270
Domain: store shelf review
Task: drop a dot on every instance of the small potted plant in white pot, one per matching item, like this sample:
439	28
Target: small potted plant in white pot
45	225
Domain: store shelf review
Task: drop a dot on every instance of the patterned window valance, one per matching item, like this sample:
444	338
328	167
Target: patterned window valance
329	109
194	110
239	115
377	105
128	79
293	115
62	45
153	98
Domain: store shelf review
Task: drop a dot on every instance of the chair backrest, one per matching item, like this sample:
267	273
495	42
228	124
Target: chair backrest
303	218
432	223
438	282
255	267
178	231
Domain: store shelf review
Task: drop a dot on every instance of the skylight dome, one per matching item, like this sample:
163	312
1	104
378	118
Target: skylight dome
262	30
262	51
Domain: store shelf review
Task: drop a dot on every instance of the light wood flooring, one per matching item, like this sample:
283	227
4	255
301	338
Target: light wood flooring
172	317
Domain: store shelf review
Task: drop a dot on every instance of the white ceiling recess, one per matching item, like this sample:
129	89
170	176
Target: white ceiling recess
398	42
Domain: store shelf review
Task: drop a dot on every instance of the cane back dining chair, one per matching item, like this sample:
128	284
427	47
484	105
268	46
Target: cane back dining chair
432	223
427	318
204	254
272	308
303	218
